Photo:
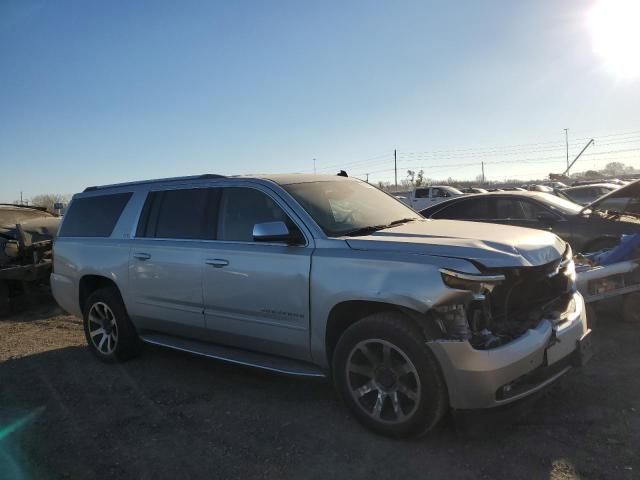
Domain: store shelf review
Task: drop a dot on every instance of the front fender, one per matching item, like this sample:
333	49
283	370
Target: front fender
407	281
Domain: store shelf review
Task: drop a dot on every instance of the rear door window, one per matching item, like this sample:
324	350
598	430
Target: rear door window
94	216
178	214
471	209
532	210
508	208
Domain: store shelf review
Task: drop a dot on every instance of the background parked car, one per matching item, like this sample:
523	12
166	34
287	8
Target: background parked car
585	194
587	229
423	197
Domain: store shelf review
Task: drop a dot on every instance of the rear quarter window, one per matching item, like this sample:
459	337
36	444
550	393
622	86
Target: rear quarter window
94	216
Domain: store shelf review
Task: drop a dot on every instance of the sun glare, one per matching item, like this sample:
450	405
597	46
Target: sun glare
615	32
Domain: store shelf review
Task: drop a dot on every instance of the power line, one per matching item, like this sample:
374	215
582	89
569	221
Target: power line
542	160
436	160
479	154
354	162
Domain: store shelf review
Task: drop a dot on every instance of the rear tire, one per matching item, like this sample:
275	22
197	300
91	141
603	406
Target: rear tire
110	334
387	376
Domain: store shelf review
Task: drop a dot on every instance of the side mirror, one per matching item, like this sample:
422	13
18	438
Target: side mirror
273	232
547	218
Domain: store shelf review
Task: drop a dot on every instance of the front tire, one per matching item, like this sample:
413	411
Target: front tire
387	376
110	334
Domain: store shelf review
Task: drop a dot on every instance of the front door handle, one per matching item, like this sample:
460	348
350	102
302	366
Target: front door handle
217	262
142	256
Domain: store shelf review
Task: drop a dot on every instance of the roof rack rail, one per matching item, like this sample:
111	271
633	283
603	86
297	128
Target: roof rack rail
155	180
211	175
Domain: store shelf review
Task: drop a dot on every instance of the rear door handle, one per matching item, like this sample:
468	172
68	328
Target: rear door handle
217	262
142	256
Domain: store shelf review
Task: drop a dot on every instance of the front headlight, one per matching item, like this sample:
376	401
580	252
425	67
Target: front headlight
570	270
477	284
567	267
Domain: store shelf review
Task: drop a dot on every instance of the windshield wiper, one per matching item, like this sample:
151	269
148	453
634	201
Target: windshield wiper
402	220
375	228
364	230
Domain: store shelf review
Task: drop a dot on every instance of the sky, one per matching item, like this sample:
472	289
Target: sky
95	92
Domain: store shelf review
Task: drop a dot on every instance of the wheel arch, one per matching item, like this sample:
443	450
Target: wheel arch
89	284
347	313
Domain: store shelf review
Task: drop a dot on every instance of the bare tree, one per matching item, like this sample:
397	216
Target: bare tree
411	176
48	200
614	168
592	174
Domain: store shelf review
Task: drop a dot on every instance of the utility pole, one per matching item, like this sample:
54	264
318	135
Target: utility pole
314	165
483	173
367	177
21	198
395	165
566	141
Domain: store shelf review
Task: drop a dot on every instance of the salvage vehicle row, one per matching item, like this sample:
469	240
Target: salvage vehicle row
587	228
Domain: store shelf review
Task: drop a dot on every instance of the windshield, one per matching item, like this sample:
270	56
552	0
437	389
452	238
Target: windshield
342	207
561	204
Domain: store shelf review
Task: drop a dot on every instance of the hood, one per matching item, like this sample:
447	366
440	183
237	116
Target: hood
628	191
493	246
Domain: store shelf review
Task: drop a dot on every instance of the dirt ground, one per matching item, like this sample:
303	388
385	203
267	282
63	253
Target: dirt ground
63	414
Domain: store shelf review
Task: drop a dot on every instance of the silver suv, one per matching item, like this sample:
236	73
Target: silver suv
316	275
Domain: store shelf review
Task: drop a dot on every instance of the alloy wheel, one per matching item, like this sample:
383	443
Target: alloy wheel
102	327
383	381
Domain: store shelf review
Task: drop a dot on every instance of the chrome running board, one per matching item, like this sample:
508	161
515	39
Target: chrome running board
234	355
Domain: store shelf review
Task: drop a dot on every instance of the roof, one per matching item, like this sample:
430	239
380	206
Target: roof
282	179
289	178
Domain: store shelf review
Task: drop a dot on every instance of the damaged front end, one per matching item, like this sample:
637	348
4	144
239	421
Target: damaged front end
500	305
509	332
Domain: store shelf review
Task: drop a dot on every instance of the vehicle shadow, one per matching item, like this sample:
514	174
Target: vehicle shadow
167	415
36	305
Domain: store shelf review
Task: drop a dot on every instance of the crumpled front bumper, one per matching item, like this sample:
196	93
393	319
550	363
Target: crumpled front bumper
490	378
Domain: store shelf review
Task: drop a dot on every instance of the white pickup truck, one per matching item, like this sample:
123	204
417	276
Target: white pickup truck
423	197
